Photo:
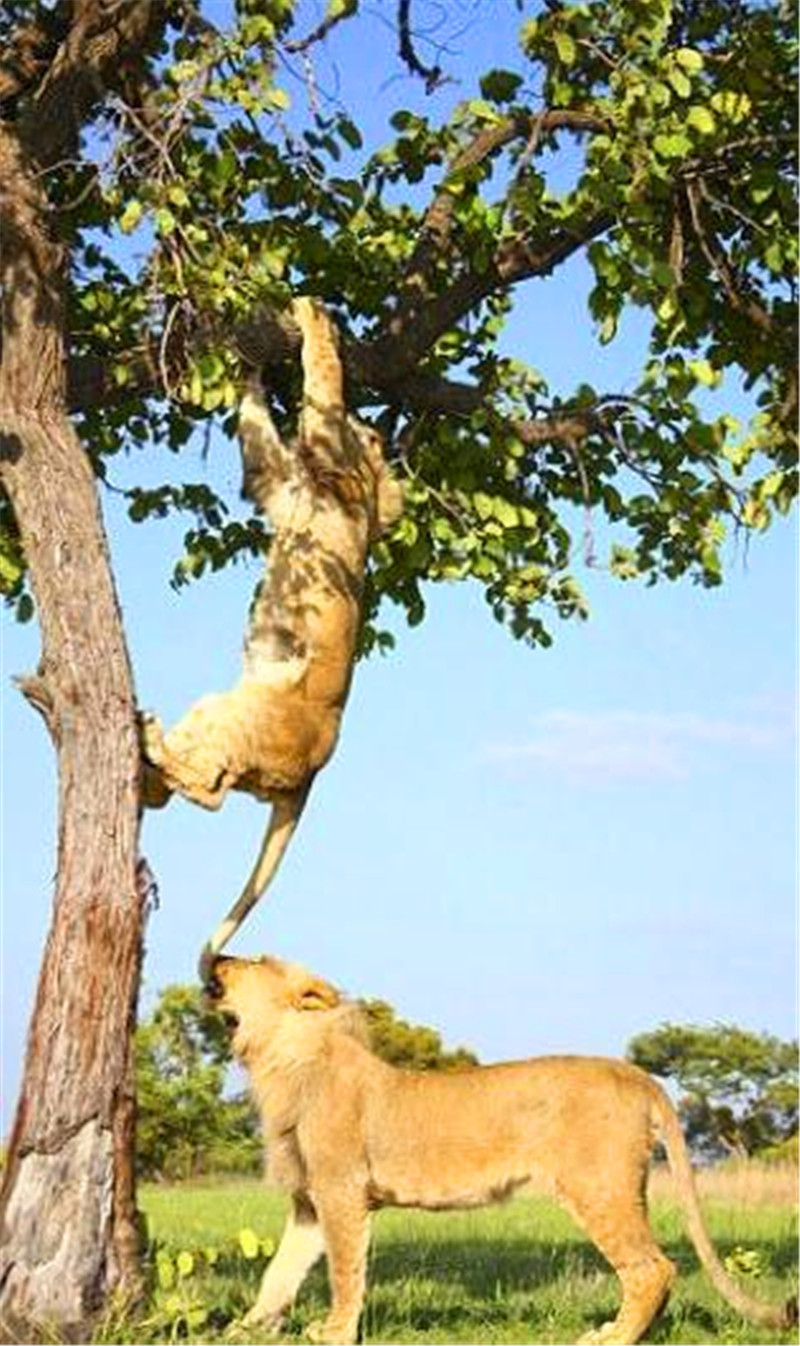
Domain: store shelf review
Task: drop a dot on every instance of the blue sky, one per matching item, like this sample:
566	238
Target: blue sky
530	850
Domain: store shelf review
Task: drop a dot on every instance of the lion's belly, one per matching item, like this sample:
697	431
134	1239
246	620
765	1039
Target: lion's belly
441	1172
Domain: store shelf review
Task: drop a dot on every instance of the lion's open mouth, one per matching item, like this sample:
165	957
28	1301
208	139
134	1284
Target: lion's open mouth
213	989
213	993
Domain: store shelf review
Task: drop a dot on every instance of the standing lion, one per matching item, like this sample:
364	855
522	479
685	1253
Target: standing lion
346	1134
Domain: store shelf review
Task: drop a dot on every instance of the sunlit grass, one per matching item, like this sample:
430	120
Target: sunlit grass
519	1273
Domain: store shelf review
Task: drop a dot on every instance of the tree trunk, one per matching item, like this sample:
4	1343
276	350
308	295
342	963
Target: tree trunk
67	1204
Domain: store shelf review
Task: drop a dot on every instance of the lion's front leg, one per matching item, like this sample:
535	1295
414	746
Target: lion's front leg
155	790
300	1247
345	1223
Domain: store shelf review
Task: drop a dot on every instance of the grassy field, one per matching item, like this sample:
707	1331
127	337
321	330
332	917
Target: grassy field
517	1273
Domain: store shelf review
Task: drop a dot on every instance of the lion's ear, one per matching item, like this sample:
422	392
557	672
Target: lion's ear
312	993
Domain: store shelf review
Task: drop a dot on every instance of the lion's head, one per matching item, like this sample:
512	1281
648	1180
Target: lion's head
264	999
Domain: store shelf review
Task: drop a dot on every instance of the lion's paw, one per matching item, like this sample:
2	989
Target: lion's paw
602	1336
327	1332
270	1323
151	735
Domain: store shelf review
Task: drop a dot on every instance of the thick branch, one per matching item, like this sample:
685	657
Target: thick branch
388	364
415	326
435	234
523	257
27	53
94	55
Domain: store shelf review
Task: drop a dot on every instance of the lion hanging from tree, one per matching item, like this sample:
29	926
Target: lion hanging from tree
328	495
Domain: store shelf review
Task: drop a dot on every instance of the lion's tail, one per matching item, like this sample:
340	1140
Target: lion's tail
286	813
755	1310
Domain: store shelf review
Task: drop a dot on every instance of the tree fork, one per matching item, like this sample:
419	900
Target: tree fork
68	1227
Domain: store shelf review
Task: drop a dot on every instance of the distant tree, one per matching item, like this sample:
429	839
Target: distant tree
187	1123
411	1045
739	1090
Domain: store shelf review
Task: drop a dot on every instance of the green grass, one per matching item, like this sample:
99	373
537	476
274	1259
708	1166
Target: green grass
517	1273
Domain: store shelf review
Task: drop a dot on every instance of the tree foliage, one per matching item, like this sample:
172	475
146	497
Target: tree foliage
188	1122
738	1089
654	140
411	1046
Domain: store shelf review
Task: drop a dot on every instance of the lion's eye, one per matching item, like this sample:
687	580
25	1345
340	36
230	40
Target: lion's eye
214	988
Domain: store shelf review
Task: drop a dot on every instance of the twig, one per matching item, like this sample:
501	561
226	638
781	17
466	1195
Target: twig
299	45
432	75
162	349
718	263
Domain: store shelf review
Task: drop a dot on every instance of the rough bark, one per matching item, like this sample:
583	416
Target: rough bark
67	1207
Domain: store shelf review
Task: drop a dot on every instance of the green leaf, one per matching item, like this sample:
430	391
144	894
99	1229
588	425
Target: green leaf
690	59
565	46
773	256
705	373
131	216
484	505
249	1243
184	1264
506	513
680	83
350	132
165	220
10	572
731	105
756	514
702	119
608	329
672	146
480	109
165	1271
277	98
500	86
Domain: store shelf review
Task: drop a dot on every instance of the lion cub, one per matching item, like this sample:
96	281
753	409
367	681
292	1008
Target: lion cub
346	1133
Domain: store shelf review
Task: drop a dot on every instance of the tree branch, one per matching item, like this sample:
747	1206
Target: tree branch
101	44
716	257
30	49
420	319
299	45
432	75
436	230
39	695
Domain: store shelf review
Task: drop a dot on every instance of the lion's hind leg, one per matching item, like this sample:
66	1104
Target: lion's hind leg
616	1221
191	758
645	1287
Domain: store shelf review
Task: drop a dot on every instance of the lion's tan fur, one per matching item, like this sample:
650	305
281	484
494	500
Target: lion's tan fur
328	495
347	1133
